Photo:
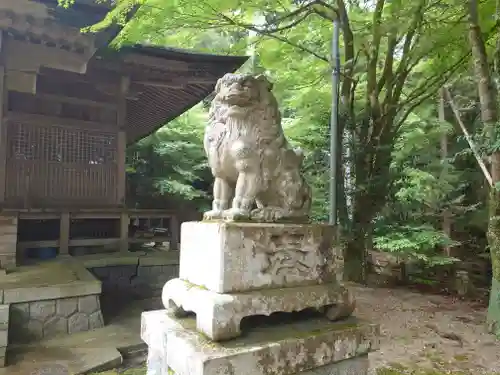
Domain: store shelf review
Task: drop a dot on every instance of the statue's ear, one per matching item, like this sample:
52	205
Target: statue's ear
263	78
217	86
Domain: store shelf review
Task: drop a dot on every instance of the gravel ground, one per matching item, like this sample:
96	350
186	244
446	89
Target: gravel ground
419	331
428	331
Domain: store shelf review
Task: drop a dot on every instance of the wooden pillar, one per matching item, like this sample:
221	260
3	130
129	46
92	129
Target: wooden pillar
121	119
64	234
124	224
122	177
3	114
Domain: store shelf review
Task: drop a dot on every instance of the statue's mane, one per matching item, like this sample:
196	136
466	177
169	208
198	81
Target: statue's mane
262	114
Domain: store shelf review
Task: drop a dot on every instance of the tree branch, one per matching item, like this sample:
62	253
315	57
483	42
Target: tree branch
439	80
388	73
402	71
349	56
371	85
267	33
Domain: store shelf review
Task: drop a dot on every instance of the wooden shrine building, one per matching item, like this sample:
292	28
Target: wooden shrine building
68	108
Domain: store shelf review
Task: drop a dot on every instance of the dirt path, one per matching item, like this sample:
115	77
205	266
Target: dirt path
428	331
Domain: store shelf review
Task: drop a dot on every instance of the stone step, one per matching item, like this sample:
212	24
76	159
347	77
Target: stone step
291	348
4	332
80	353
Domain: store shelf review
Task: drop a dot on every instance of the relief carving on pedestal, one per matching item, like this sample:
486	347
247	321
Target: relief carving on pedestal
288	257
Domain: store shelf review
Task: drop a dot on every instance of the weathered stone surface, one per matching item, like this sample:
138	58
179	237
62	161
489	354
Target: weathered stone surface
149	271
218	316
42	310
88	304
102	273
8	241
286	349
250	157
235	257
20	314
126	271
55	326
78	322
66	306
33	330
36	315
353	366
28	323
138	276
3	356
4	314
49	281
96	320
4	325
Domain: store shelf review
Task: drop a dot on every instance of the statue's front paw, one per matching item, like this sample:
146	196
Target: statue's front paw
236	214
212	215
267	214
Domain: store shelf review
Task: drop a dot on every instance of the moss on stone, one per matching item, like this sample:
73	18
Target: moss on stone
132	371
398	369
461	358
194	286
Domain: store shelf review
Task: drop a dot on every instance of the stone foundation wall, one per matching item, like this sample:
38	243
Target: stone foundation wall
389	270
135	281
8	241
4	333
32	321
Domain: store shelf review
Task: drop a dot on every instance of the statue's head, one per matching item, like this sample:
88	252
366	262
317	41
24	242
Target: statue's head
243	89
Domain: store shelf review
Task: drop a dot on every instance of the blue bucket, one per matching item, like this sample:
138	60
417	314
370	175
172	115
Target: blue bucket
46	253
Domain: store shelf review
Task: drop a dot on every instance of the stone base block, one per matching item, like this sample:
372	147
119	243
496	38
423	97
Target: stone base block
3	356
218	316
232	257
316	346
4	333
36	320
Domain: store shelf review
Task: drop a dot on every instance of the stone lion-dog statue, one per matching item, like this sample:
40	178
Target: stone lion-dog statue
251	160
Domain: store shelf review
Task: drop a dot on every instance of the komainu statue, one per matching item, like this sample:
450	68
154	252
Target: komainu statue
257	172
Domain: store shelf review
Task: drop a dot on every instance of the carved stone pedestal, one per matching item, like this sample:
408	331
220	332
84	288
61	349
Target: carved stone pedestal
250	276
229	271
313	347
218	316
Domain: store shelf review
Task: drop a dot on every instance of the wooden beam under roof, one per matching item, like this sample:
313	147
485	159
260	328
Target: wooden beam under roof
106	83
111	77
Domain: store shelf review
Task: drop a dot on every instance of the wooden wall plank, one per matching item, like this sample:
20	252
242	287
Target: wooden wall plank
122	141
3	124
64	228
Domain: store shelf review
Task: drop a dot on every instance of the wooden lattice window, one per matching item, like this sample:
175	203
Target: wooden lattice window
61	163
64	145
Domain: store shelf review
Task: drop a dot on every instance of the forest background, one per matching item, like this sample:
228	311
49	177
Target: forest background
418	116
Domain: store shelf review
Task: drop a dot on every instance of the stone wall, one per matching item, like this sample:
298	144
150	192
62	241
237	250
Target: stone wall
389	270
8	241
32	321
4	333
134	281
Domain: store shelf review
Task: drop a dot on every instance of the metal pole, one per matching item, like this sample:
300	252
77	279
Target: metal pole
334	121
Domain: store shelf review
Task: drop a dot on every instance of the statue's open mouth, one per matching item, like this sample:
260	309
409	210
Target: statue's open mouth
236	99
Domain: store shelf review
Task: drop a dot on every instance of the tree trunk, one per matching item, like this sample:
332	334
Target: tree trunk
489	116
355	250
355	256
372	188
494	244
444	155
355	266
